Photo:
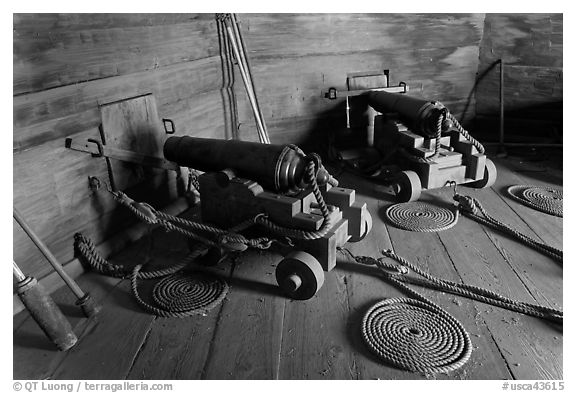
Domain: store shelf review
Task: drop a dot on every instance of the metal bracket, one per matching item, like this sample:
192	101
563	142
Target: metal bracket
172	129
332	93
97	149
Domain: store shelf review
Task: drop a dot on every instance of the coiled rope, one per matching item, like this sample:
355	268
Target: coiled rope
472	208
412	334
421	217
177	295
545	199
416	336
399	275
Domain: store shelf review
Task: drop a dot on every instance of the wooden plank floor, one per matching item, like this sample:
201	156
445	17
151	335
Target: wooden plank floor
256	333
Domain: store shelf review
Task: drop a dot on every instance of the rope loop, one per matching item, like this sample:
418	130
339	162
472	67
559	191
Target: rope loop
473	209
177	295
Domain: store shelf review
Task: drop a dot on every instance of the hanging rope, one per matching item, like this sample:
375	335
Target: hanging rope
545	199
471	208
421	217
177	295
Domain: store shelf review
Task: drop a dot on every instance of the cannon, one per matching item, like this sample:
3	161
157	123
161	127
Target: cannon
242	180
428	143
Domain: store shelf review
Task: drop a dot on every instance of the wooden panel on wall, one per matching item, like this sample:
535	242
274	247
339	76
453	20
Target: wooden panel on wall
531	46
65	66
295	57
522	39
57	51
60	112
296	35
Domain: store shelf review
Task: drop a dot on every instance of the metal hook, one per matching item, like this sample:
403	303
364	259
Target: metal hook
100	147
452	183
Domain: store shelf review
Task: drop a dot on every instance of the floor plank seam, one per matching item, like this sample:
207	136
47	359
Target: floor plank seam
506	259
473	303
216	326
356	372
140	347
498	348
278	368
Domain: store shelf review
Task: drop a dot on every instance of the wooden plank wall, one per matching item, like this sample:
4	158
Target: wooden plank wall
531	46
65	65
295	57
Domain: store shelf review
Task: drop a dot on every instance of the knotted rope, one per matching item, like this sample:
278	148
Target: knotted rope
472	208
421	217
177	295
546	199
221	238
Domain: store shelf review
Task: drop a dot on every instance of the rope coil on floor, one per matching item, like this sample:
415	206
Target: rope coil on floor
178	294
421	217
545	199
386	327
416	336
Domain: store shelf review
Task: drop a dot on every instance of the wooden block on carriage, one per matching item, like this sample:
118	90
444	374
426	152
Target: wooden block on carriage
433	175
475	166
227	200
461	144
279	208
324	249
409	139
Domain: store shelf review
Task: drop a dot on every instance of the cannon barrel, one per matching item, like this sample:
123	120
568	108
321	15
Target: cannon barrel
278	168
420	115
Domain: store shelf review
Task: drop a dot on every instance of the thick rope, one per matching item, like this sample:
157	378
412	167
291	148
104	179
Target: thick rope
545	199
465	133
421	217
399	276
438	136
413	334
194	293
416	336
472	208
444	115
225	239
311	174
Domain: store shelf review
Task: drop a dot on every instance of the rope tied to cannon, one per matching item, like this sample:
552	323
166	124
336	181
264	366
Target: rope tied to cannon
177	295
444	115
